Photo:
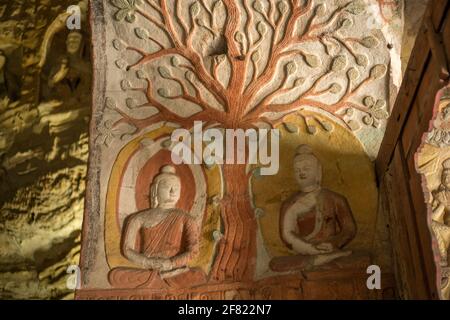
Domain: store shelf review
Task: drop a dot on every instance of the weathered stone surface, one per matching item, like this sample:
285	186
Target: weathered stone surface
433	163
43	150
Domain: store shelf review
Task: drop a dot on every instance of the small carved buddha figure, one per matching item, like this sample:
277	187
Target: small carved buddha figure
70	73
441	214
161	241
316	223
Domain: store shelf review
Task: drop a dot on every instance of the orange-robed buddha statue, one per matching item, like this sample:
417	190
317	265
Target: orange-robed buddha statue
161	241
315	223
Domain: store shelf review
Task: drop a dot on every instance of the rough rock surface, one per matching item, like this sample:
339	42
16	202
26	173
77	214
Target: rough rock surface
43	155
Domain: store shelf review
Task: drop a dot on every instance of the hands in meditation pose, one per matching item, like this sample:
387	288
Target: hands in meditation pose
161	241
316	223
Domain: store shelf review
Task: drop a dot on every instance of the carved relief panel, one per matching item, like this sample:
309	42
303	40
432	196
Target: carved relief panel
433	163
314	70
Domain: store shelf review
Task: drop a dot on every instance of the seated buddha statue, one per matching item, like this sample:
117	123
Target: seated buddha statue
316	223
160	241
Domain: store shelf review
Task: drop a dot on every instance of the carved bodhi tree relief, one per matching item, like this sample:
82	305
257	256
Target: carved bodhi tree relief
241	64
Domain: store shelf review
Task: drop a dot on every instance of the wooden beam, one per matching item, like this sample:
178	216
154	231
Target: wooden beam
417	65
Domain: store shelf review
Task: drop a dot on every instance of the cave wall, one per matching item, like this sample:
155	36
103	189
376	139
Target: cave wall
43	150
44	147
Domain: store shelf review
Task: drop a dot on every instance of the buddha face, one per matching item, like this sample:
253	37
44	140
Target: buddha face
446	179
306	172
73	42
168	192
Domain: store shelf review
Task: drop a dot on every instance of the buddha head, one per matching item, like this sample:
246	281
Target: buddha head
165	189
307	168
445	178
73	42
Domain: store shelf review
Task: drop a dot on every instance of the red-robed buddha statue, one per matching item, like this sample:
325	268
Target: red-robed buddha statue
161	240
315	222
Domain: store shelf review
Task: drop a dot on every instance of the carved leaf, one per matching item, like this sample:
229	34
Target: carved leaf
378	71
362	60
370	42
163	93
346	23
175	62
165	73
118	45
140	74
262	28
321	9
380	114
256	56
369	101
355	7
353	74
239	37
335	88
131	103
339	63
121	64
141	33
121	4
130	17
332	48
125	85
195	9
312	60
282	7
349	112
258	5
380	104
291	68
121	14
216	7
368	120
189	75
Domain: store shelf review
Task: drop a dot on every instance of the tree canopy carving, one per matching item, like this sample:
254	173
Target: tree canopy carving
245	62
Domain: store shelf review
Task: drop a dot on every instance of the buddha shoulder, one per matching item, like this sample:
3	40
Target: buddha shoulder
328	194
182	214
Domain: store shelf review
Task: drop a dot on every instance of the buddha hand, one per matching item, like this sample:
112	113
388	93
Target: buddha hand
158	264
325	247
166	265
152	263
